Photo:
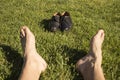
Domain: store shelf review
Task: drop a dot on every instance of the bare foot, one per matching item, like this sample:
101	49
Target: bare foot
96	45
87	64
31	57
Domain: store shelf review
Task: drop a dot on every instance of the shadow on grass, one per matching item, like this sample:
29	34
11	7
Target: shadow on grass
74	55
45	23
14	58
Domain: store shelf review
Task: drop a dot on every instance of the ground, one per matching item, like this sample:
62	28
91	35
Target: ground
61	50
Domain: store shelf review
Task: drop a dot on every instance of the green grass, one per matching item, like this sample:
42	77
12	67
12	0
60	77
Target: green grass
60	50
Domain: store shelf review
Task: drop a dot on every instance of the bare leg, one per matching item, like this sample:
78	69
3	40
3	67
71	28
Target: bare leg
34	64
90	65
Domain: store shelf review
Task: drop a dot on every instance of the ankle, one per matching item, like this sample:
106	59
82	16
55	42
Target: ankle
32	63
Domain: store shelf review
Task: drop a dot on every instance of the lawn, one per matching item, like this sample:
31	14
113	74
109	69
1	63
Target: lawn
61	50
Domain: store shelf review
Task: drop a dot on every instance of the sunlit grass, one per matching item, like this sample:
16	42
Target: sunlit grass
60	50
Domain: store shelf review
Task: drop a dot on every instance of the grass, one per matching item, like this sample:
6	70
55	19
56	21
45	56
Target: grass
60	50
